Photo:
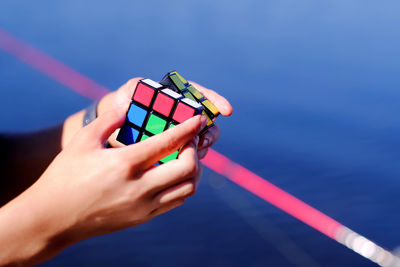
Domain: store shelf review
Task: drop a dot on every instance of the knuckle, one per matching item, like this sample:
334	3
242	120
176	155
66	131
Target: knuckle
190	168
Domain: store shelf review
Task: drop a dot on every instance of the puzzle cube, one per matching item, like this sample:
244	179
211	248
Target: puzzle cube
153	110
175	81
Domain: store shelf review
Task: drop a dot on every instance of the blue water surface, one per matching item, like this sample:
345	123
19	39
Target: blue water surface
315	90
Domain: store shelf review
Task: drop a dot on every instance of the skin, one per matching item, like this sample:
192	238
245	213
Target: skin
88	190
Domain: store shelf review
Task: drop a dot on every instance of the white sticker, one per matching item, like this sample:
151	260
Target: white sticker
152	83
172	93
191	103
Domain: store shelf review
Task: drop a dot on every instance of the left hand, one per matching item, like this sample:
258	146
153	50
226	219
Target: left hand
124	95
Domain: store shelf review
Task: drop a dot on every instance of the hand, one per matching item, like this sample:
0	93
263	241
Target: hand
124	94
115	188
89	190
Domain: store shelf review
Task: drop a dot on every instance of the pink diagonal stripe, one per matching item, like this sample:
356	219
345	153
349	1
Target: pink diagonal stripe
51	67
271	193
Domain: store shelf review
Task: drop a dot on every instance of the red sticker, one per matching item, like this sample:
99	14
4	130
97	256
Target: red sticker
163	104
143	94
183	112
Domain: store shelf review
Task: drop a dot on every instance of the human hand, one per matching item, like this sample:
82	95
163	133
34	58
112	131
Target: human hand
124	94
91	190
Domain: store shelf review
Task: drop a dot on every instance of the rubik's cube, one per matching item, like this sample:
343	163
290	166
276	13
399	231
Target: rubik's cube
156	108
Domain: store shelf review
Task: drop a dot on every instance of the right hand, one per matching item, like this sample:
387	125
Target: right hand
90	190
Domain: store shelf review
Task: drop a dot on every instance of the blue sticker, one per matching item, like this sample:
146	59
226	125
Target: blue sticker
136	115
127	135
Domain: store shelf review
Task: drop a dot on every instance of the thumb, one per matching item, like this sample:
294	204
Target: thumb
103	126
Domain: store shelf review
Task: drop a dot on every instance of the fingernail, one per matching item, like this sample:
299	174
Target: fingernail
204	121
206	142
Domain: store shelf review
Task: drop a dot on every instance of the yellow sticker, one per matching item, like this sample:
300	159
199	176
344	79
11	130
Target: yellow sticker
195	92
210	106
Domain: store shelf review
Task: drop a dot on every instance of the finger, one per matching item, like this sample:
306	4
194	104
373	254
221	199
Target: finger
219	101
113	140
197	178
173	172
121	97
210	137
102	127
202	153
146	153
167	207
128	88
182	190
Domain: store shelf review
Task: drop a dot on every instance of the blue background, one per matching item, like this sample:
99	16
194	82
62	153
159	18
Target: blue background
315	91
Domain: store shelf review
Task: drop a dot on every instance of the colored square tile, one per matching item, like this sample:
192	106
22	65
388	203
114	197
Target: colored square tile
172	94
152	83
155	124
163	104
194	104
210	106
144	137
136	115
171	124
183	112
178	83
180	77
195	92
209	122
170	157
127	135
187	94
143	94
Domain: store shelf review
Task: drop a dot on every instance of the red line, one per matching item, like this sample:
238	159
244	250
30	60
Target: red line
214	160
271	193
51	67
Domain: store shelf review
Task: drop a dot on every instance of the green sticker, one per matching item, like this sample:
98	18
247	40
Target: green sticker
144	137
170	157
155	125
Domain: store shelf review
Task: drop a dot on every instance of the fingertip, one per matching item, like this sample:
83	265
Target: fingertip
224	107
196	123
210	137
222	104
129	87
